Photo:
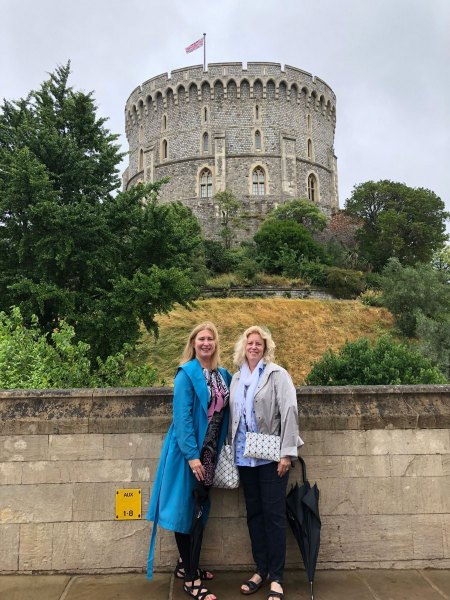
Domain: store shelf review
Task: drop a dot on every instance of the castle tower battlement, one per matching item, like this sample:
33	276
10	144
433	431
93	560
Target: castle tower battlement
264	132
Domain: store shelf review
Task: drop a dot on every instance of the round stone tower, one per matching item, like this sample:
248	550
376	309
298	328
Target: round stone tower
263	132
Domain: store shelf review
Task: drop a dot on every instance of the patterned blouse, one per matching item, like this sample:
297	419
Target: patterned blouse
219	397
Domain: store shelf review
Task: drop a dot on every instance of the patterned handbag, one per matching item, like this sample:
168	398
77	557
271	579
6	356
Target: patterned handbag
262	445
226	474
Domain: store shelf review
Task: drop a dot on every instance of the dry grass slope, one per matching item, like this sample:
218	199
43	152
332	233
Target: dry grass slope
302	330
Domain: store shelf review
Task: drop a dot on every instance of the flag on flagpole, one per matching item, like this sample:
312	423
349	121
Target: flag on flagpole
194	46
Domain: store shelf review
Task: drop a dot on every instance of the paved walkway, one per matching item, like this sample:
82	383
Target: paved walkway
330	585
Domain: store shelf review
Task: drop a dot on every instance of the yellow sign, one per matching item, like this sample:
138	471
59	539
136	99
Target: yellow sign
128	504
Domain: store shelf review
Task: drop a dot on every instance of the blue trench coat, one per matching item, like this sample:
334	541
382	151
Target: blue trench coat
172	501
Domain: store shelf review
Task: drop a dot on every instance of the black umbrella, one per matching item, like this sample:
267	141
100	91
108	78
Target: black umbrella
302	509
201	494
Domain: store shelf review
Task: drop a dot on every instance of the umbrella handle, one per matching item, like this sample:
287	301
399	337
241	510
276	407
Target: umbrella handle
302	462
312	589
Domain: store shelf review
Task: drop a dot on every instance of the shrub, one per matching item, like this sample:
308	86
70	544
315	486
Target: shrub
371	298
282	244
313	272
247	269
288	262
373	281
344	283
217	258
408	291
434	341
30	360
386	362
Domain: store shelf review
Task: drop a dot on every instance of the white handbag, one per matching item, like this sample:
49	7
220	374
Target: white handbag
262	445
226	474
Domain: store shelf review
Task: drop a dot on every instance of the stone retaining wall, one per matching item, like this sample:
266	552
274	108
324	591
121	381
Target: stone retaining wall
380	455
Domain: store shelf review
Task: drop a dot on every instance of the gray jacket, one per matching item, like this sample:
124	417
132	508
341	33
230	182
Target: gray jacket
275	404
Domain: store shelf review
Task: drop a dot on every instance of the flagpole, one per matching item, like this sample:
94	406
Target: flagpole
204	52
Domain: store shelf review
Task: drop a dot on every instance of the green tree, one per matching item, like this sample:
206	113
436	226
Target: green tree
398	221
386	362
229	207
410	291
301	211
284	244
69	249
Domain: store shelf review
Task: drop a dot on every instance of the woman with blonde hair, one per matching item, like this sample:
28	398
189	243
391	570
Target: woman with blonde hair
189	453
263	400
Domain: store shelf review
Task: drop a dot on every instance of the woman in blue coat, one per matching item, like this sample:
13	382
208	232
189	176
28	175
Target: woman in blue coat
190	451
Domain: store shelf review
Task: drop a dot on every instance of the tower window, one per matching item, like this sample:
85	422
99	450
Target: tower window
310	149
164	122
312	188
205	142
259	181
309	122
257	140
141	159
205	114
206	184
257	112
164	149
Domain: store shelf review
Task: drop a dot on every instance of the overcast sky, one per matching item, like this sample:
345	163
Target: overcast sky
388	61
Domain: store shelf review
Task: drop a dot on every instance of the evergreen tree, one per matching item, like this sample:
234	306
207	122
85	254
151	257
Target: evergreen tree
69	248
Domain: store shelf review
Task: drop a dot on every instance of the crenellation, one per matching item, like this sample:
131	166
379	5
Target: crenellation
239	102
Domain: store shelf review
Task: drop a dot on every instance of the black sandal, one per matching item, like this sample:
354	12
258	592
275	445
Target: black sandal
201	573
253	587
273	594
201	594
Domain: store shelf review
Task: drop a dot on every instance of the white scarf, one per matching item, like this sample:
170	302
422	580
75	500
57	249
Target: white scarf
244	400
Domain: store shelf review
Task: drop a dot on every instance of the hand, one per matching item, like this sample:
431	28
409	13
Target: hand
283	466
197	468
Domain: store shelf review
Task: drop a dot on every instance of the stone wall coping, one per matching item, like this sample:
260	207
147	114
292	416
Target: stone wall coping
149	410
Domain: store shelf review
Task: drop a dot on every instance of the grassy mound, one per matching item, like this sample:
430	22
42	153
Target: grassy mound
302	330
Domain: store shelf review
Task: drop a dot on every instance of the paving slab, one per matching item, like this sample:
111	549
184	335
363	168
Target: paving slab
33	587
329	585
119	587
440	579
400	585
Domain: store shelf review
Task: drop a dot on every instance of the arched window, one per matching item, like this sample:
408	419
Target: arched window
205	142
257	112
141	159
164	122
206	184
312	187
259	181
164	149
310	149
257	140
205	114
309	122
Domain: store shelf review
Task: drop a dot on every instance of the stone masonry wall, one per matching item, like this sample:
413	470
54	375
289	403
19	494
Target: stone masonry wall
230	104
380	456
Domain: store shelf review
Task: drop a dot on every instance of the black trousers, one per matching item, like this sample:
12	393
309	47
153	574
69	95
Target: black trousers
265	500
190	565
